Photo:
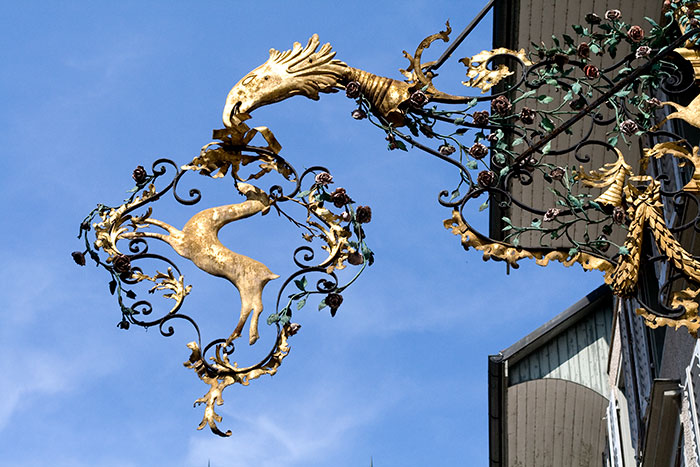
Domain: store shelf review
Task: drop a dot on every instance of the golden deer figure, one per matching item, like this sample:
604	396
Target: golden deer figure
199	242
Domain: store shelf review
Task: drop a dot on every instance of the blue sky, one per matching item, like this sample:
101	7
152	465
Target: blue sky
91	90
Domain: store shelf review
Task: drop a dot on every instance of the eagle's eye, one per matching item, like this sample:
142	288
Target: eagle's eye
246	81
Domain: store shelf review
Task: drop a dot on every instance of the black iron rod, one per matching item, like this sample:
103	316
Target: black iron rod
463	35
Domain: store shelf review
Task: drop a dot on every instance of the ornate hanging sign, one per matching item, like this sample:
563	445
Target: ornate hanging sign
117	239
586	99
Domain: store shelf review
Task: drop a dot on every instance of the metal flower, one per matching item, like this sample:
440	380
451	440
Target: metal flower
501	105
353	89
139	174
446	149
629	127
557	173
612	15
551	214
618	215
592	18
334	300
635	33
583	50
363	214
481	118
358	114
478	151
642	51
121	264
486	178
79	258
355	258
591	71
418	99
340	198
323	178
527	116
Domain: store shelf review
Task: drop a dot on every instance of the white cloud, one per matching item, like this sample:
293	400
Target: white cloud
292	434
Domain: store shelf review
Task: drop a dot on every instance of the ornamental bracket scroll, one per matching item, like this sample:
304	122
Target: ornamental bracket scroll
604	214
599	216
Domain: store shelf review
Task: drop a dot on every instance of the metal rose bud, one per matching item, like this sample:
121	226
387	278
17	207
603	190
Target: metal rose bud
418	99
635	33
501	105
551	214
363	214
446	149
478	151
353	89
121	264
527	116
591	71
592	18
629	127
323	178
358	114
493	138
293	328
584	50
486	178
79	258
612	15
392	142
557	173
642	51
139	174
618	215
355	258
481	118
334	300
340	198
345	216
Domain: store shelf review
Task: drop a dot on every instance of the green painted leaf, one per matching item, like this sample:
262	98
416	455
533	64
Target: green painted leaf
578	29
301	283
573	251
576	87
303	194
547	147
301	303
624	251
504	171
594	49
472	165
454	194
545	99
546	123
517	142
484	206
322	305
515	241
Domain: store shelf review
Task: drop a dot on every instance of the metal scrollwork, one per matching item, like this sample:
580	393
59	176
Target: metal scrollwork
327	216
605	81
